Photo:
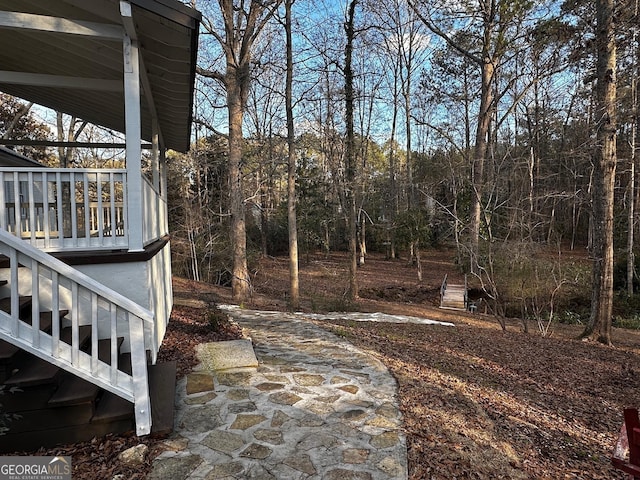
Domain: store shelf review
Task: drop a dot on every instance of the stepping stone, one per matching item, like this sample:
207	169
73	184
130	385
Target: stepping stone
246	421
176	467
199	382
222	356
225	442
302	463
257	451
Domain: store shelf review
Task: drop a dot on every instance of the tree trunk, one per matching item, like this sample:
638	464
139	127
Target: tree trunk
294	287
362	240
350	168
407	120
599	327
480	153
632	167
240	281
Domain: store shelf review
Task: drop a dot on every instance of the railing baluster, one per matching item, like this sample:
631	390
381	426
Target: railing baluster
112	207
87	212
75	326
17	207
100	212
74	208
60	213
45	210
15	292
113	317
55	314
35	303
94	333
31	220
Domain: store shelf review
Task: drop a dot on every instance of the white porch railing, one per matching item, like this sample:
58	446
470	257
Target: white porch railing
54	286
62	209
155	224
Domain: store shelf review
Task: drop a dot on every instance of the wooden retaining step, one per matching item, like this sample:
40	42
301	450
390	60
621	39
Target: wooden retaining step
44	419
26	399
24	441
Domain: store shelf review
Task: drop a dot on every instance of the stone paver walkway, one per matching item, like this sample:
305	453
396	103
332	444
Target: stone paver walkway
316	407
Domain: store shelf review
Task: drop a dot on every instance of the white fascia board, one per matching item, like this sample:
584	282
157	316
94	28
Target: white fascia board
60	81
44	23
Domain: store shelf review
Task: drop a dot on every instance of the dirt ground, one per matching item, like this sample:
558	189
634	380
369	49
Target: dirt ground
477	402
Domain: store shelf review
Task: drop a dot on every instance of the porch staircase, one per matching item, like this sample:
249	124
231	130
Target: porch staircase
62	378
44	405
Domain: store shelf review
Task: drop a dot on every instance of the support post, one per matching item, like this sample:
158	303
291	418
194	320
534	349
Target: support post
133	141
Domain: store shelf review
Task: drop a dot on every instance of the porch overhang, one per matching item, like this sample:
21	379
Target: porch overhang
68	55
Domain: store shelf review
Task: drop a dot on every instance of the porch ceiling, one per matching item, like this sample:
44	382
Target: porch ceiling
167	32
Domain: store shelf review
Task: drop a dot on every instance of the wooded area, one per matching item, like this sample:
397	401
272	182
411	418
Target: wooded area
505	128
493	125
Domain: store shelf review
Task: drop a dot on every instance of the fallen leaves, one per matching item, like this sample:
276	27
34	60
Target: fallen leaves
98	458
481	404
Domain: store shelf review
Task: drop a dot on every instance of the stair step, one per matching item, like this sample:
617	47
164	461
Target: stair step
73	390
34	371
46	318
162	391
104	349
8	350
47	438
84	334
30	398
112	408
124	363
24	308
49	418
10	355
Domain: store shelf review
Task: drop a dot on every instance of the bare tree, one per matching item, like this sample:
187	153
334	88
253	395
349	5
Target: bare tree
602	198
243	23
495	29
22	111
294	286
632	162
350	151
